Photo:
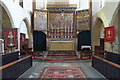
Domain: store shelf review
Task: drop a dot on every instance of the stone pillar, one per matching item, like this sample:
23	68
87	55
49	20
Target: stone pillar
0	21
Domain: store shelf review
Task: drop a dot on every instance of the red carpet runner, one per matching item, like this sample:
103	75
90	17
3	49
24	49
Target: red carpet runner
63	73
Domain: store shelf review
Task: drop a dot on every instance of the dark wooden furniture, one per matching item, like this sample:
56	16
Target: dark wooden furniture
107	66
113	57
101	47
8	57
32	53
16	68
22	41
89	54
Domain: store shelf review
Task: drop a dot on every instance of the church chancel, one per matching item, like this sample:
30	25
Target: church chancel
60	26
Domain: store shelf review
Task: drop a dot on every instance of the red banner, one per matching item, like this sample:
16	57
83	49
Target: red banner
10	37
109	34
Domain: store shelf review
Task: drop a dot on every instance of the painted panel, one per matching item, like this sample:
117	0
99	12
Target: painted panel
40	20
83	20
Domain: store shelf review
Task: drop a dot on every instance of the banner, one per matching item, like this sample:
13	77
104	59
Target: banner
109	34
10	37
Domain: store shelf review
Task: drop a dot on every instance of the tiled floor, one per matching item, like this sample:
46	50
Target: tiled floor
38	66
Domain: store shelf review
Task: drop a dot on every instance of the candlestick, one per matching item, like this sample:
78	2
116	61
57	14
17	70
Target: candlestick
52	33
55	32
68	31
65	31
71	30
58	32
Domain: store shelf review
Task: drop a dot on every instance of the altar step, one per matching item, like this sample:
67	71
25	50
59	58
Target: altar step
61	55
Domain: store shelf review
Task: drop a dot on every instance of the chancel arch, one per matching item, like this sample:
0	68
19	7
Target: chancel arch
98	35
7	20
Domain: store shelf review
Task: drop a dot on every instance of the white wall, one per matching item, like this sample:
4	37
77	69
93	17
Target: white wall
16	1
23	29
27	5
84	4
40	4
106	13
97	5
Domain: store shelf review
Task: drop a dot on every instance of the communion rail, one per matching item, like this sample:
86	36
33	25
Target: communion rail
83	54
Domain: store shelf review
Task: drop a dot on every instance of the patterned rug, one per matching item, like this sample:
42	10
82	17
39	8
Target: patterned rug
63	73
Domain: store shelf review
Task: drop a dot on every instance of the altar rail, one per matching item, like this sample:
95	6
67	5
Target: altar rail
83	54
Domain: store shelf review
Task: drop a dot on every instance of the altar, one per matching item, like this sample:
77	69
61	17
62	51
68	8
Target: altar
61	45
57	30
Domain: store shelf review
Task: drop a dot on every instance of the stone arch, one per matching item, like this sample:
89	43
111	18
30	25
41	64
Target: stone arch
115	14
97	32
115	21
8	13
28	26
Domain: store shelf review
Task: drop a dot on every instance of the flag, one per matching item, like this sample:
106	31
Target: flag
109	33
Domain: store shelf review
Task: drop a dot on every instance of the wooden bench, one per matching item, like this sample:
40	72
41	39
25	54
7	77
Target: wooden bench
16	68
107	68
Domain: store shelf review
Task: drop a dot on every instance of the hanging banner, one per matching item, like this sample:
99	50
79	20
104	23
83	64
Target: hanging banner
109	34
10	37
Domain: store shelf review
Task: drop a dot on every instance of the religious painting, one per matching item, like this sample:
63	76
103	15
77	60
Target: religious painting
61	20
83	19
10	38
110	34
40	20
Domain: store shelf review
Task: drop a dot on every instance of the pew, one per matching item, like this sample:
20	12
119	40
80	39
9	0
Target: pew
8	57
16	68
109	69
113	57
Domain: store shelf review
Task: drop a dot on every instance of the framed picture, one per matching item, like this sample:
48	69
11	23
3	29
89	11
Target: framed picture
40	20
83	19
